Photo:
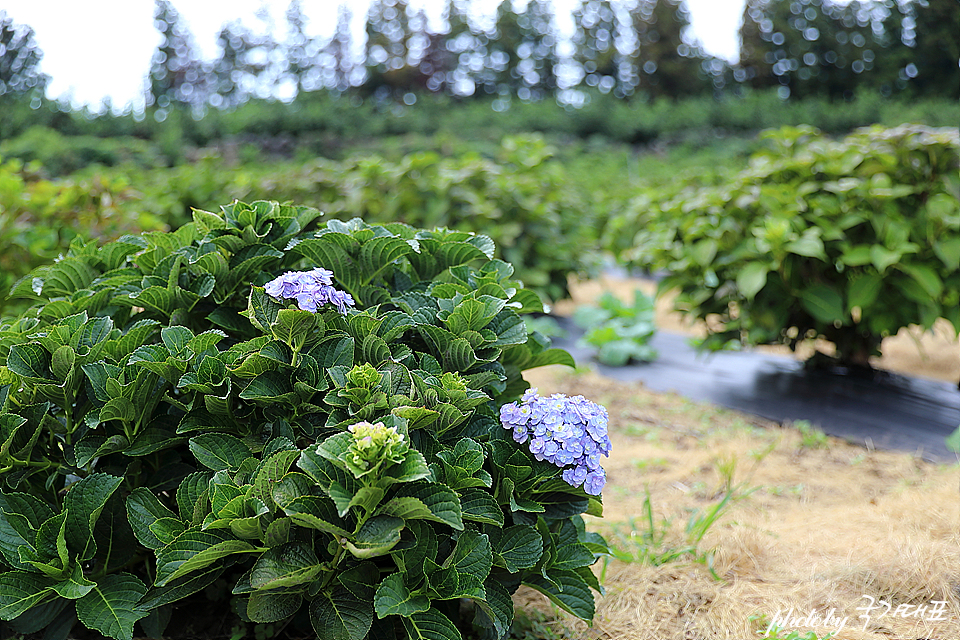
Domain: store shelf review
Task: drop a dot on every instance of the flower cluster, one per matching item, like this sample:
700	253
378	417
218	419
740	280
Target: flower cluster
372	445
568	432
311	289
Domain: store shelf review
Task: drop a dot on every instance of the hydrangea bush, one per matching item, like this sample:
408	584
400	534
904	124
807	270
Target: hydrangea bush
303	424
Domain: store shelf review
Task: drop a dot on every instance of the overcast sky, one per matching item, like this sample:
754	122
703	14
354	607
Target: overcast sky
98	48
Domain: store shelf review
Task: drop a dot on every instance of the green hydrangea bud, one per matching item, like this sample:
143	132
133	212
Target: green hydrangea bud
374	445
451	381
364	376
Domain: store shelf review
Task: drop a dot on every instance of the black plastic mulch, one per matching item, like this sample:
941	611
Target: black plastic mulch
880	410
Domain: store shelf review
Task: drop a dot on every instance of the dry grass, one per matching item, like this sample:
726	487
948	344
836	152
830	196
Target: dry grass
827	523
932	354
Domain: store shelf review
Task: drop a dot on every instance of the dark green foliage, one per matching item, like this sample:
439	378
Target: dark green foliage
62	155
849	241
320	124
166	425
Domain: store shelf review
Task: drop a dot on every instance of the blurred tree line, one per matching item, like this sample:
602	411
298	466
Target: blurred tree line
630	49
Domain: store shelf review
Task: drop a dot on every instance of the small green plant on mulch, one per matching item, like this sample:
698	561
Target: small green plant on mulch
618	331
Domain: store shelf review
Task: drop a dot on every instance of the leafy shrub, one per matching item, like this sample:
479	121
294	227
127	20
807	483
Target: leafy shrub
174	416
39	218
847	240
619	332
62	155
522	201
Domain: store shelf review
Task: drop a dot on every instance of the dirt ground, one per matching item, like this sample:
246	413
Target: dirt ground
816	526
933	354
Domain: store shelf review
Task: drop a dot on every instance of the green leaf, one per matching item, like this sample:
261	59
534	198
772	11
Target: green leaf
294	327
262	310
22	514
95	445
442	502
863	291
376	537
361	580
83	504
412	559
55	617
75	586
176	339
413	467
809	245
472	555
316	512
948	250
287	565
751	278
497	606
480	506
166	530
519	547
823	303
881	257
110	607
340	615
194	550
178	589
219	451
192	497
406	508
116	544
334	351
271	471
144	509
271	387
394	598
20	591
704	251
29	360
51	540
267	606
856	256
926	277
573	595
430	625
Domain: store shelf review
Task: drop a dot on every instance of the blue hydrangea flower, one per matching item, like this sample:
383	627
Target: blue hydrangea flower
594	481
570	433
311	289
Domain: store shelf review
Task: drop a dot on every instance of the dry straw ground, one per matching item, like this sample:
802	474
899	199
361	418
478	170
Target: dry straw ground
818	524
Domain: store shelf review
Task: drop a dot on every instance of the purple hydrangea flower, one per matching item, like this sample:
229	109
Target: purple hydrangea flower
570	433
311	289
536	446
593	483
340	299
575	475
520	433
322	276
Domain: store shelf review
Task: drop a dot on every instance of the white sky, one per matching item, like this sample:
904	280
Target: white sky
97	48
